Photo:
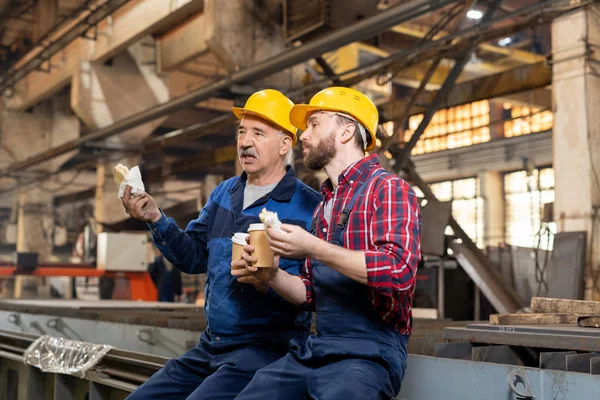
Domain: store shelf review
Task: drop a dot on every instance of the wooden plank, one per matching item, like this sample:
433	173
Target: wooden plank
184	43
563	306
532	319
588	322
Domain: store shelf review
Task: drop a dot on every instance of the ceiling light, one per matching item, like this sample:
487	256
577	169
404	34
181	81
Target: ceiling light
474	14
504	42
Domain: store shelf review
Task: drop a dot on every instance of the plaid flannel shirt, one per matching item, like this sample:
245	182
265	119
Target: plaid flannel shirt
387	227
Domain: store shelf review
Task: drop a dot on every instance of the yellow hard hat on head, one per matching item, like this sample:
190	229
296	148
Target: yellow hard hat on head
343	100
271	105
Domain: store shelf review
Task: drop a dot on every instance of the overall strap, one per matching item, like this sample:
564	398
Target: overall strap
343	218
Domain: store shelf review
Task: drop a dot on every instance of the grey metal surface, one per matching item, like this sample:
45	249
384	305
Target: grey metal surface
164	315
496	354
546	338
567	265
458	351
580	362
562	330
595	366
162	341
555	360
430	378
98	304
434	219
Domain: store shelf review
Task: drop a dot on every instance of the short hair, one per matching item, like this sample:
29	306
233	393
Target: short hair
358	130
289	156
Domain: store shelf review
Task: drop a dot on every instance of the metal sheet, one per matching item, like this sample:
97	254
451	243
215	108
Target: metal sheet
160	341
527	338
458	351
566	330
496	354
580	362
595	366
555	360
567	265
431	378
435	216
100	304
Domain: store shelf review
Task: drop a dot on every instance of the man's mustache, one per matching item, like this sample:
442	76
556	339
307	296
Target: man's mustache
248	153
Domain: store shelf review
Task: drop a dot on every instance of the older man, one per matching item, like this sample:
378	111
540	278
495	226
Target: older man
361	263
248	327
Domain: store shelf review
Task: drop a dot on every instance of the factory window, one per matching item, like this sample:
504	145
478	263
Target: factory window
524	120
453	127
525	197
467	205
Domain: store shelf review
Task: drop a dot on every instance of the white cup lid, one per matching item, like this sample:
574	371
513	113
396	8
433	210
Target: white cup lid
256	227
239	238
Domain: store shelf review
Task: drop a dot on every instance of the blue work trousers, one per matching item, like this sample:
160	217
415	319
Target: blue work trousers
208	372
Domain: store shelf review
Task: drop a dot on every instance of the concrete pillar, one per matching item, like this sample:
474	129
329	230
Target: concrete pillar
248	43
576	134
492	193
35	226
103	94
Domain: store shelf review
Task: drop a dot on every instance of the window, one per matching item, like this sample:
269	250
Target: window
452	128
525	197
467	205
526	120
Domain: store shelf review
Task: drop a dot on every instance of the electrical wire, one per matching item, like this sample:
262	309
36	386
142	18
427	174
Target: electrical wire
541	269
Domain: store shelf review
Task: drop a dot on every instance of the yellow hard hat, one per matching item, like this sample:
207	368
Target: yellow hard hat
343	100
271	105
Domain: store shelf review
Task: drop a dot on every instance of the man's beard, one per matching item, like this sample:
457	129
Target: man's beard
322	154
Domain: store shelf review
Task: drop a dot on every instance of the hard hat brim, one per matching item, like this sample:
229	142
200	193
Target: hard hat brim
301	112
239	112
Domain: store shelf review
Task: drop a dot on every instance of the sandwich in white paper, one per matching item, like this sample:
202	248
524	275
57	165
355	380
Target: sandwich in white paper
270	219
128	177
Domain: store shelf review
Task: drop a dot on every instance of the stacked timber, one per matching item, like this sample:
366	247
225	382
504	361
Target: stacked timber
549	311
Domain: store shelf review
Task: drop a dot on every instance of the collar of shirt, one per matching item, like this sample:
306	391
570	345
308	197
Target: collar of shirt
352	174
282	192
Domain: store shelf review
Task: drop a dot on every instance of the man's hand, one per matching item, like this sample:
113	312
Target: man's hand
291	242
259	277
140	206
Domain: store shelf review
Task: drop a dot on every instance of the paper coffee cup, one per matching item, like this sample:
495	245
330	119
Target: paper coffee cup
238	241
260	241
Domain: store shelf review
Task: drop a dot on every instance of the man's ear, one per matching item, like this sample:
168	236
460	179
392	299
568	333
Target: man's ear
348	133
285	144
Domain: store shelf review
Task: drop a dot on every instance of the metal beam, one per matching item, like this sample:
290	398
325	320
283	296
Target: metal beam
528	77
94	17
360	31
436	104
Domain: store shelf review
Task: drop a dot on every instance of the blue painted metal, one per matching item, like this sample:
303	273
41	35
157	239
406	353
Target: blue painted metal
431	378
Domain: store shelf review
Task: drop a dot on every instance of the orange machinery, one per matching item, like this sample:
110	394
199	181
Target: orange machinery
141	286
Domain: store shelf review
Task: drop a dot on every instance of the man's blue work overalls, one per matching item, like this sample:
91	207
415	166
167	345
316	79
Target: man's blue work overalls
355	355
247	330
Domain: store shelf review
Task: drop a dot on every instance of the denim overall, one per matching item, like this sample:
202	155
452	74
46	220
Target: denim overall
355	354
